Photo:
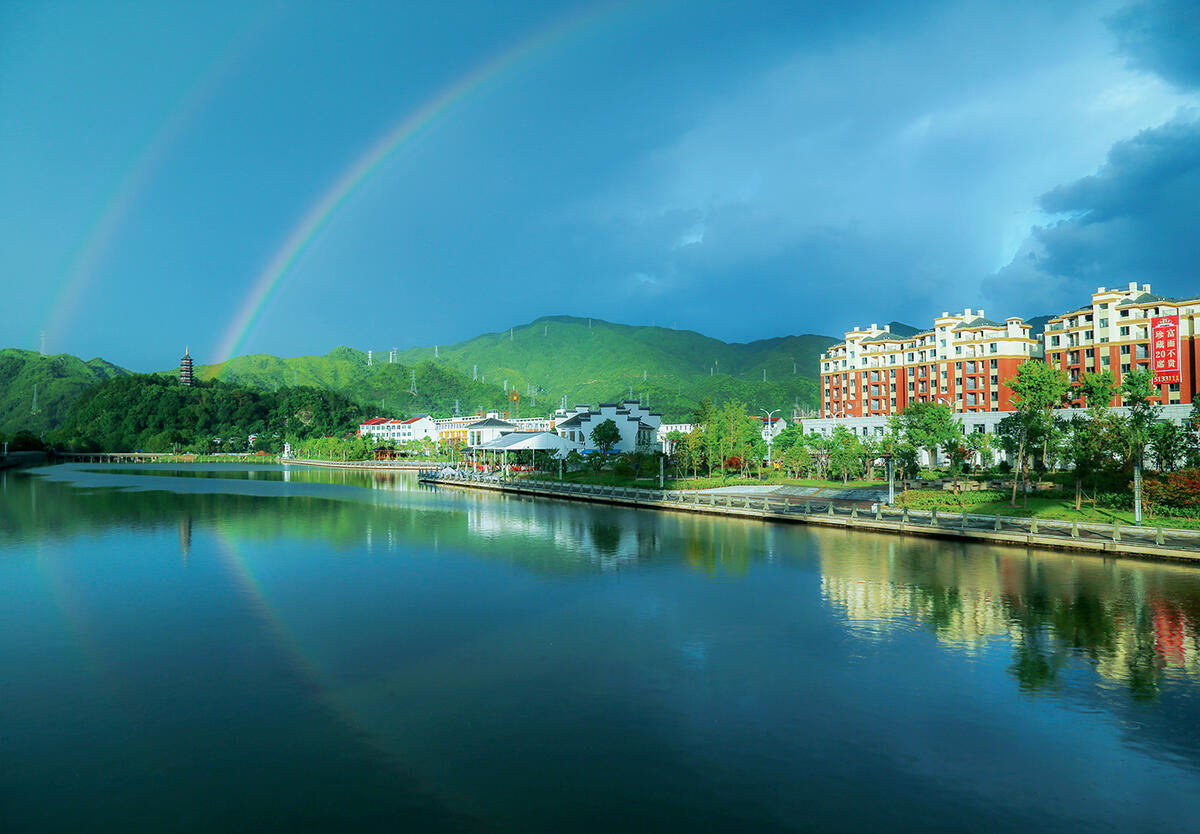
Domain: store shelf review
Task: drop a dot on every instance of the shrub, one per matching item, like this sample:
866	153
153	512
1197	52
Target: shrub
1173	489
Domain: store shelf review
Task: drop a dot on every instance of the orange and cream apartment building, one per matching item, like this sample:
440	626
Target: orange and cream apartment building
965	359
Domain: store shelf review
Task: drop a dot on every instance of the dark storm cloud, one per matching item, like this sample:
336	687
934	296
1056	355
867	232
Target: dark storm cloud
1162	37
1138	217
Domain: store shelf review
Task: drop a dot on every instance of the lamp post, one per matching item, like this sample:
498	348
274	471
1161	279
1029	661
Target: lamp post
770	436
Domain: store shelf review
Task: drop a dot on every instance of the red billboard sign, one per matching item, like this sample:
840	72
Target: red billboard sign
1164	349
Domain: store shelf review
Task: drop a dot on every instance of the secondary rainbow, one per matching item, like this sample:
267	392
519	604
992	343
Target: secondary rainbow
134	180
400	135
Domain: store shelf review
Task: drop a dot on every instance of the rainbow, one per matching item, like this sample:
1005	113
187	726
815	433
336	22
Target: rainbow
137	176
352	178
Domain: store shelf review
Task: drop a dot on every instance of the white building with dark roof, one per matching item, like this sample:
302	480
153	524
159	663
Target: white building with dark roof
638	425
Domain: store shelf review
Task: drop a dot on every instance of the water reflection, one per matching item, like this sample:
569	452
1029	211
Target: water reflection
1135	623
437	657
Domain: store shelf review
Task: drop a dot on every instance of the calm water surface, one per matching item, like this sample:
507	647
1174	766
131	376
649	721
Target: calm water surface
225	649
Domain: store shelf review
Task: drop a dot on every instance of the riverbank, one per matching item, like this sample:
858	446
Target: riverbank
17	460
376	465
1102	539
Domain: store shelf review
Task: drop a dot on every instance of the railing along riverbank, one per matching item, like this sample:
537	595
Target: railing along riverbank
1110	539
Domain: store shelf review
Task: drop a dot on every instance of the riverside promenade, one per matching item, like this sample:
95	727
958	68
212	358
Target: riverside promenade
1101	539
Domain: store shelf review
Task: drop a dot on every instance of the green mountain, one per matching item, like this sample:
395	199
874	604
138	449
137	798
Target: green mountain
590	360
582	360
383	388
59	381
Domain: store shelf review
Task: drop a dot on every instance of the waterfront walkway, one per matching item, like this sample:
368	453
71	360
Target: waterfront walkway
1109	539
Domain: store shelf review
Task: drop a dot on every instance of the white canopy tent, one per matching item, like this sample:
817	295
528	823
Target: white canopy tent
528	441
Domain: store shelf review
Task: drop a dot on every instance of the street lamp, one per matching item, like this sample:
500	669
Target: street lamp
770	436
887	460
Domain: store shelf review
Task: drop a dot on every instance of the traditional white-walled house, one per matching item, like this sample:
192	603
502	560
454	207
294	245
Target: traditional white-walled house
638	425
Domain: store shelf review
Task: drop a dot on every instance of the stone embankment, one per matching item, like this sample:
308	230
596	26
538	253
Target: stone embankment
1104	539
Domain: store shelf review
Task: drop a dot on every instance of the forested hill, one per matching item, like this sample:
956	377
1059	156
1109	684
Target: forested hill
155	413
382	388
60	381
591	360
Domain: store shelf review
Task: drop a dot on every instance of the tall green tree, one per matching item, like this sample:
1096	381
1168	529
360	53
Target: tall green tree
1037	389
845	454
605	437
927	426
1137	387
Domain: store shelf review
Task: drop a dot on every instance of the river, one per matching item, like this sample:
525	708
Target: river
236	648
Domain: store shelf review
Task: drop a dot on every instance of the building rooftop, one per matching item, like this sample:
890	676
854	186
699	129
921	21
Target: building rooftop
492	423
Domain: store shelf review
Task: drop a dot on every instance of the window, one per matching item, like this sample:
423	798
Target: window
1104	322
1054	341
993	364
992	347
1124	331
1124	350
1089	353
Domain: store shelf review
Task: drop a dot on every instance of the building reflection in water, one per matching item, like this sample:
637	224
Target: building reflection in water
1137	624
185	537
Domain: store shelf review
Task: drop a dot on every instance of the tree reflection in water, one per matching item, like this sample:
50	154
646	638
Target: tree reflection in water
1137	624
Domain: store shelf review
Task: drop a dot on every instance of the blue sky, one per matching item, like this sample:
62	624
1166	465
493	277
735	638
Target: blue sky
742	169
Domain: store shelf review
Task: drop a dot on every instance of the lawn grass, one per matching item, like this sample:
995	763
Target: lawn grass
1054	505
650	481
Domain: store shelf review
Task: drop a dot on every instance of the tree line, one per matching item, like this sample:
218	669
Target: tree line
1101	449
156	413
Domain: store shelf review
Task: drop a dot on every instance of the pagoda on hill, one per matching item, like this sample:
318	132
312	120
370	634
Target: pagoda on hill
185	368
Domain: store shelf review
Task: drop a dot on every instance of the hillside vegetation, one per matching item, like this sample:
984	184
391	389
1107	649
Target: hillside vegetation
590	360
382	388
155	413
60	381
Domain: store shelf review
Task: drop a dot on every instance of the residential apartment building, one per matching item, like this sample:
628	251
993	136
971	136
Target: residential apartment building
1116	332
962	361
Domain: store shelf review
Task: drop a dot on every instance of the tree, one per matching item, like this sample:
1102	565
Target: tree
606	436
1168	442
959	453
1037	389
1191	434
845	454
980	444
927	426
1136	389
797	460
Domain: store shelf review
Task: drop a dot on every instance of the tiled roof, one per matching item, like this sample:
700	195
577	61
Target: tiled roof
491	423
979	322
